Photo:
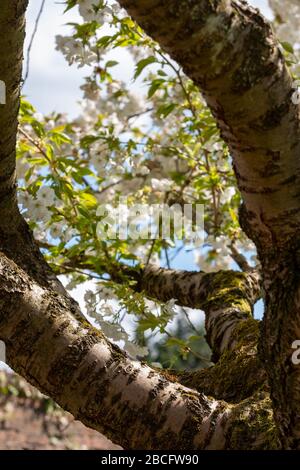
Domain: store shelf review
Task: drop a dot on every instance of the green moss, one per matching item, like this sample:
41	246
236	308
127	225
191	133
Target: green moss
247	333
252	425
229	288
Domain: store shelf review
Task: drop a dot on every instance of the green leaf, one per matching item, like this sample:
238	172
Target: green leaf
166	109
155	85
89	199
149	323
287	47
111	63
70	4
142	64
88	140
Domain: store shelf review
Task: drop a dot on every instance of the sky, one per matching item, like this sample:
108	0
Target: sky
52	83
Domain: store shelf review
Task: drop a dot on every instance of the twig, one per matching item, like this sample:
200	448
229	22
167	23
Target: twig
64	269
167	257
35	143
32	39
150	252
239	259
189	321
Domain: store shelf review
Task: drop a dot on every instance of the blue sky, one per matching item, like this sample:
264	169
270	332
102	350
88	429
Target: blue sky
52	84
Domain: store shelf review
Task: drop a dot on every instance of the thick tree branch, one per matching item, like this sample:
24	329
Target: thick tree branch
15	238
132	404
229	50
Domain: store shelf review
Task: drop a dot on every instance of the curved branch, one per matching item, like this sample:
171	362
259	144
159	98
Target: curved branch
227	297
238	374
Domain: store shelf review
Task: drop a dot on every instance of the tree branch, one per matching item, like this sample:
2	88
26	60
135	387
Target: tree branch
131	403
229	50
227	297
238	374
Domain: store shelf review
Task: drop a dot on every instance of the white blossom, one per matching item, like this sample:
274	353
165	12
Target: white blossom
74	51
169	308
161	185
46	195
90	11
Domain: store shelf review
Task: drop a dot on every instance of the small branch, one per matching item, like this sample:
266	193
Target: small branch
32	40
240	259
190	323
35	143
